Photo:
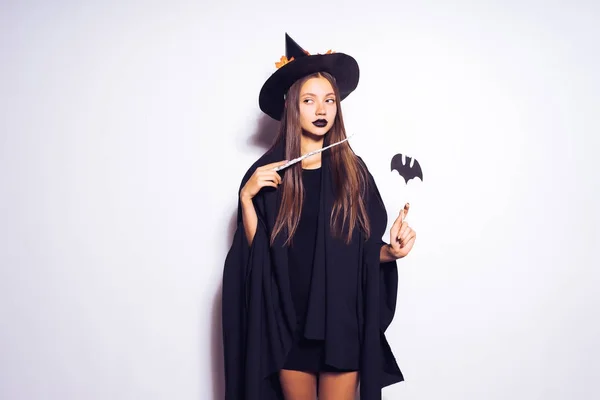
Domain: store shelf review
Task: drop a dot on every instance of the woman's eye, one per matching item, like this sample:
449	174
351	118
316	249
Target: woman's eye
331	101
307	100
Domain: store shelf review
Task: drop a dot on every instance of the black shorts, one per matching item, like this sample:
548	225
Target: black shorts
308	356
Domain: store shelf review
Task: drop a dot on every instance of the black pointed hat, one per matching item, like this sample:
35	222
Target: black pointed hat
296	64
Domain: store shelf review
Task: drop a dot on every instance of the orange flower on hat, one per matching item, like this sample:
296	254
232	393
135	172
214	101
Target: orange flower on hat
282	61
328	52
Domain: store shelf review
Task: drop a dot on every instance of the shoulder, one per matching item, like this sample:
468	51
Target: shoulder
371	191
362	163
367	173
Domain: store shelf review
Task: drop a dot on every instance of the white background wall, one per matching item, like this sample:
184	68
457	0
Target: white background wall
125	131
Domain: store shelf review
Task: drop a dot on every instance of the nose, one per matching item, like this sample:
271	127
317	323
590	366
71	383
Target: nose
320	109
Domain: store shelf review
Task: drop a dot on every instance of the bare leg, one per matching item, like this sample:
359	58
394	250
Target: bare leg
298	385
338	385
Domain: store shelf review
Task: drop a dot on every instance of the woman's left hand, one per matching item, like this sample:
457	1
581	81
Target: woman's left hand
402	236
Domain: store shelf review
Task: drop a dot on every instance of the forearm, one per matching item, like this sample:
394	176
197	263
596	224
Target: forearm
249	218
385	254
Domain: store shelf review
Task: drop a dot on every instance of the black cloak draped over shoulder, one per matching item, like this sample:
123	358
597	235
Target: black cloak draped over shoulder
351	294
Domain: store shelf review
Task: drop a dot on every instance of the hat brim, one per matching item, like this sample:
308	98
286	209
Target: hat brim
343	67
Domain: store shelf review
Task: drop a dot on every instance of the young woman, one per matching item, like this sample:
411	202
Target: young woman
309	287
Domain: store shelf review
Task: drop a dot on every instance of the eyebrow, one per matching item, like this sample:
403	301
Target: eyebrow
312	94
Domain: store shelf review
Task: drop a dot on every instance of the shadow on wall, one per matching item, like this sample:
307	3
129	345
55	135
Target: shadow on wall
263	137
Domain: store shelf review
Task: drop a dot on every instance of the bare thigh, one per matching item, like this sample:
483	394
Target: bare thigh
338	385
298	385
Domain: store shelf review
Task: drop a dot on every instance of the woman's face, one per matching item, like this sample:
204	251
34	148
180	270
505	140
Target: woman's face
318	106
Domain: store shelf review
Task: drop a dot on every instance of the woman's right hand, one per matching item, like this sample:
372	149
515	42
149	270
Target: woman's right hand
262	176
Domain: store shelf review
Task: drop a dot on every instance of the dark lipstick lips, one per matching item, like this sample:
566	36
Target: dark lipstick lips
320	123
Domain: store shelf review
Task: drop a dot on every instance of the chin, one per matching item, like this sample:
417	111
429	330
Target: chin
317	131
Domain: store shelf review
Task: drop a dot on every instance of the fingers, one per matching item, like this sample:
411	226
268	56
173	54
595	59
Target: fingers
272	165
404	228
407	234
404	211
269	183
269	176
408	244
262	176
401	220
395	229
402	235
265	172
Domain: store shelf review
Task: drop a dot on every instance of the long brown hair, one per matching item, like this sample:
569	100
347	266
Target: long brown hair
349	175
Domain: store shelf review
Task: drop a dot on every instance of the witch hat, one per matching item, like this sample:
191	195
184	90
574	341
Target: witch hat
298	63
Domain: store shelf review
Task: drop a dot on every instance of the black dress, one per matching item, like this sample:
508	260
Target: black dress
305	355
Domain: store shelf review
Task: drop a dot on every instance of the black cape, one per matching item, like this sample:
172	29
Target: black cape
352	294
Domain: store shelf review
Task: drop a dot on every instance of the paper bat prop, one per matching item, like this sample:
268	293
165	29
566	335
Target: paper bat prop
405	170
